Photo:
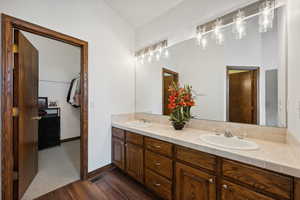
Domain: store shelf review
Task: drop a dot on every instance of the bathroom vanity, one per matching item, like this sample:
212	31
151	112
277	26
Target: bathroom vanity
177	172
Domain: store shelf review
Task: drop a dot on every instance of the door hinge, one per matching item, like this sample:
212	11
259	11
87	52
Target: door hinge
15	48
15	111
15	175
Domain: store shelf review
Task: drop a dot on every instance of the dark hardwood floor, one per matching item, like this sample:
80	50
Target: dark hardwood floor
112	185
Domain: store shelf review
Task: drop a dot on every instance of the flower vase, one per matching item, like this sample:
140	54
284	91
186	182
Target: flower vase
178	125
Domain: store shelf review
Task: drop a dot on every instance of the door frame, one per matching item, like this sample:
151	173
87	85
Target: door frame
10	23
249	68
176	75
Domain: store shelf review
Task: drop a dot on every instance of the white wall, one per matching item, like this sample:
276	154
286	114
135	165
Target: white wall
59	63
205	70
111	68
294	67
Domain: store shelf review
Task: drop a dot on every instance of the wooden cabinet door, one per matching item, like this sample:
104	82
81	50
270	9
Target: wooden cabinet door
118	153
232	191
194	184
135	161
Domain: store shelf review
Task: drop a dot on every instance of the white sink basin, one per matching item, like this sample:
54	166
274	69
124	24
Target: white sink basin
229	142
139	124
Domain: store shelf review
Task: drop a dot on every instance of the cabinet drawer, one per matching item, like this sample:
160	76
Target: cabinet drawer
158	146
159	184
196	158
263	180
118	133
232	191
160	164
134	138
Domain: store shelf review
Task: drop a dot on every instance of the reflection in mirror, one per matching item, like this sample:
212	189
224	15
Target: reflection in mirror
242	80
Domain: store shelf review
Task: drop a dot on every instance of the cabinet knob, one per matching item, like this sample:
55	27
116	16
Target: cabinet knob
157	184
211	180
225	187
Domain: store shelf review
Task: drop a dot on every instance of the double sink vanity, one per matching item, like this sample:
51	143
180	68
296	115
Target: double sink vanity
186	165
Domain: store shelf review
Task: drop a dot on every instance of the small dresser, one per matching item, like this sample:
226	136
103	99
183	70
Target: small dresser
49	129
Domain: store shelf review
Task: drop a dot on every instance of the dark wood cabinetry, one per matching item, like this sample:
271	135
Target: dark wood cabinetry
194	184
135	161
297	189
259	179
176	172
232	191
159	164
158	184
196	158
118	153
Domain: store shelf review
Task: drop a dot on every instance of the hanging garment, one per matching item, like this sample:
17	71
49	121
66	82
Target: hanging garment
70	89
74	93
76	98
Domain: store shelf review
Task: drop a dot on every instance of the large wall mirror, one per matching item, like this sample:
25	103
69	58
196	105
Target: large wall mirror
242	80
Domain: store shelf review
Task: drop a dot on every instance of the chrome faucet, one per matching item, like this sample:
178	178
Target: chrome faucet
228	134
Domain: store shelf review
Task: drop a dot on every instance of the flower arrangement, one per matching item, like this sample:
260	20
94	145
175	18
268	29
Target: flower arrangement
180	103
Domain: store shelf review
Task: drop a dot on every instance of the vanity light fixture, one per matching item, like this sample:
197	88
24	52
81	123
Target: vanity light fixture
266	16
154	50
239	26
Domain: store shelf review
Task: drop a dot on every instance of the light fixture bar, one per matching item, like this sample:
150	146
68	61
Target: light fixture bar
250	11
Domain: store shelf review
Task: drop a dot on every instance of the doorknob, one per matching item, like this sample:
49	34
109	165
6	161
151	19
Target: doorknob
36	118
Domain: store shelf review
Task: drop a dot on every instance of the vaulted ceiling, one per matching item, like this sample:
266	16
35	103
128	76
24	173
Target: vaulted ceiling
141	12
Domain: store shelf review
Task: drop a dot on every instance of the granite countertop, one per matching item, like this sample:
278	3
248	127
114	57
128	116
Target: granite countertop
275	156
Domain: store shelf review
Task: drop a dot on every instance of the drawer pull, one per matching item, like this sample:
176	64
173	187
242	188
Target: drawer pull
225	187
156	146
157	164
156	184
211	180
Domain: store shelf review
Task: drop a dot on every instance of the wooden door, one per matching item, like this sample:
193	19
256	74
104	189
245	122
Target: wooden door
232	191
243	97
26	99
135	162
118	153
194	184
168	78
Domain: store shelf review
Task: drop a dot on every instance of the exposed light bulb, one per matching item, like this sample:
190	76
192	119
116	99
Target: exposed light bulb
150	59
203	43
151	53
199	37
160	49
266	16
218	35
167	54
158	56
239	26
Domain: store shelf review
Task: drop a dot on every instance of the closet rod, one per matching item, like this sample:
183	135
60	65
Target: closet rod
65	82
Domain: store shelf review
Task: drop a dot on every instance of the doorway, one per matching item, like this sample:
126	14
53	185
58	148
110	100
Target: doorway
242	94
24	117
168	77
